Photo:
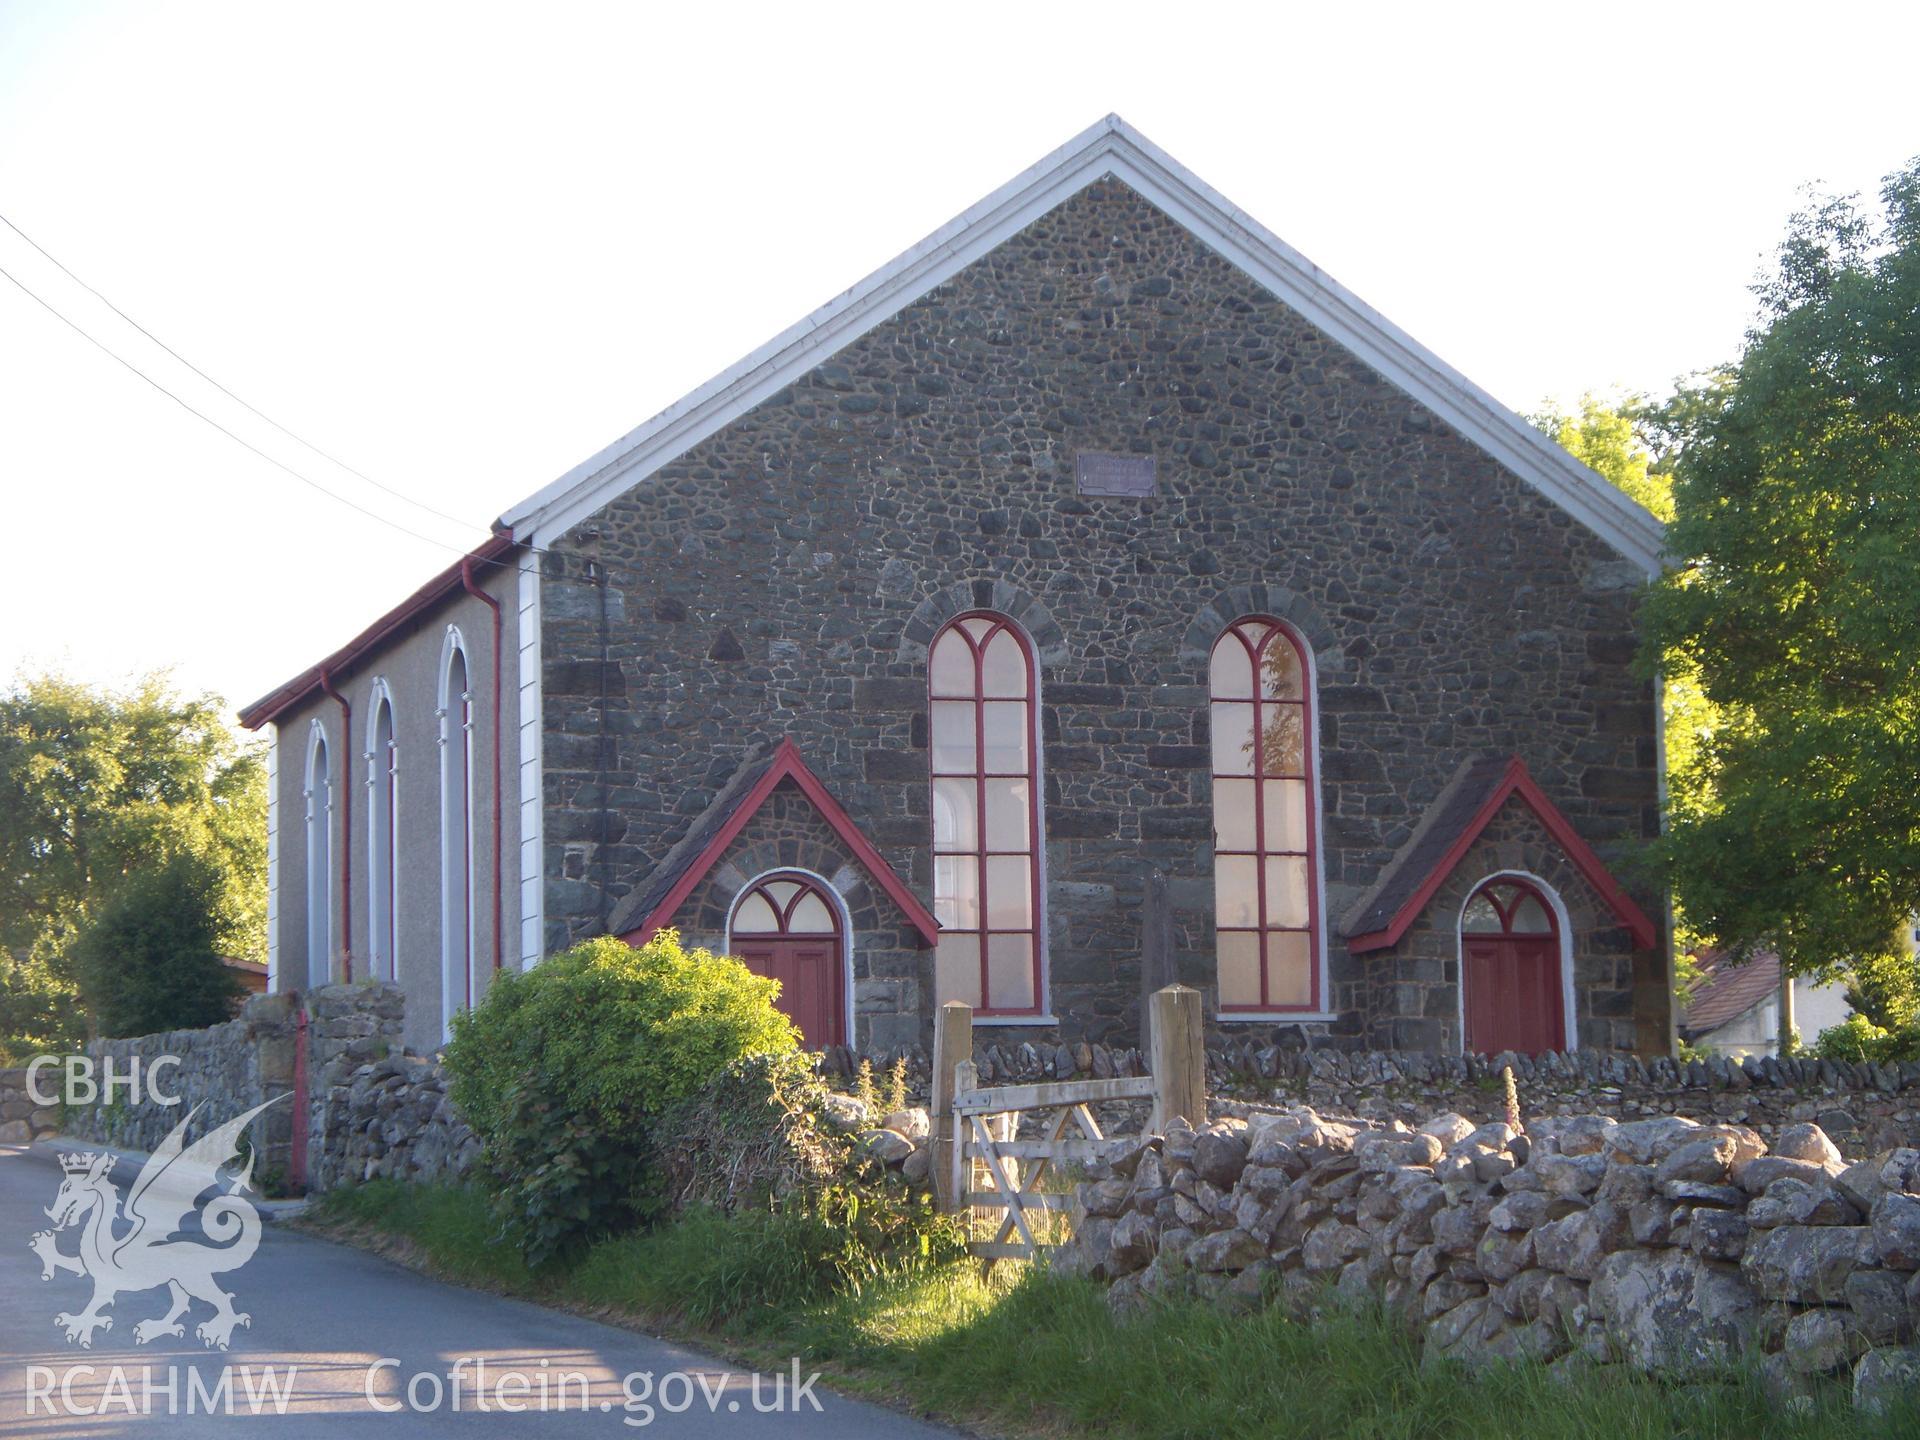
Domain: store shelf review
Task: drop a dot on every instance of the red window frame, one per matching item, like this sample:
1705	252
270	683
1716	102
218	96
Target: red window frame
1490	888
783	915
1255	634
998	624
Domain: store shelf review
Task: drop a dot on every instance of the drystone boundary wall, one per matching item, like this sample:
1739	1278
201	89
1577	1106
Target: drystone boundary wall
1865	1108
224	1069
391	1119
1660	1242
372	1110
22	1118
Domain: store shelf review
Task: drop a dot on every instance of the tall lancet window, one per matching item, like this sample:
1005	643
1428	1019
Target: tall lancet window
456	832
319	802
383	837
1265	821
986	834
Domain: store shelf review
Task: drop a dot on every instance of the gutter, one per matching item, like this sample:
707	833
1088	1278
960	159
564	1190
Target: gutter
394	622
466	583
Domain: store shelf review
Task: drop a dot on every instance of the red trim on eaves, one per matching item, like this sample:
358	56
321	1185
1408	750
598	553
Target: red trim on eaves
277	702
787	764
1516	781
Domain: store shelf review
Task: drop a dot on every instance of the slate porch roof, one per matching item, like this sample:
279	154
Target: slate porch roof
1458	815
652	903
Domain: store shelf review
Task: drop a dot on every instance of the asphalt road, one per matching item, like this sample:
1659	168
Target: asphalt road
324	1317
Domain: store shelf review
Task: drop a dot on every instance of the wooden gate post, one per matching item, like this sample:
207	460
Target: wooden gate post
1179	1058
952	1043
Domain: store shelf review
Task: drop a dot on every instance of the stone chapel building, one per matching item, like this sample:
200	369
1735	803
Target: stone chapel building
1099	536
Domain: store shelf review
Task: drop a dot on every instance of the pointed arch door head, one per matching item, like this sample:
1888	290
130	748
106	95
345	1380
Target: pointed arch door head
1514	962
788	927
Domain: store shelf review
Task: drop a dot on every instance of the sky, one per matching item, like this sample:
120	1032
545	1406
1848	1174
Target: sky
462	247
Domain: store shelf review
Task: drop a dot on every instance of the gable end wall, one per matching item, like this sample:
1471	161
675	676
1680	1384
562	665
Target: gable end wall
784	577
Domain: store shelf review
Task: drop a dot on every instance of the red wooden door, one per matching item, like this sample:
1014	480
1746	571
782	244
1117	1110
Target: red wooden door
1513	994
785	928
1510	962
809	974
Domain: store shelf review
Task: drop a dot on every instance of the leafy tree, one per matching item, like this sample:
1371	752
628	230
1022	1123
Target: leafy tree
1634	441
1606	437
149	959
1791	602
97	786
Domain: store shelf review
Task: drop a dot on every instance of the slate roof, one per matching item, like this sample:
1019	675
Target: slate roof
1476	793
478	563
653	903
1440	829
1729	990
645	898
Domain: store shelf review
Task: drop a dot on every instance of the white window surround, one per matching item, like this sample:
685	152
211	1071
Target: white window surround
318	795
383	770
456	826
1326	1013
273	862
844	916
1569	1022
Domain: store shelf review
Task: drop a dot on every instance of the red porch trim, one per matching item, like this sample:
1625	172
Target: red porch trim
1516	781
787	764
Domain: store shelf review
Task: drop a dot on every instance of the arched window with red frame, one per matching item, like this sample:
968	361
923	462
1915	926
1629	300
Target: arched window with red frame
1265	822
985	751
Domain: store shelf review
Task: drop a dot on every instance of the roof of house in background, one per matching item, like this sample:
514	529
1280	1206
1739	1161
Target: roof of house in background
1110	148
1458	815
1728	990
408	612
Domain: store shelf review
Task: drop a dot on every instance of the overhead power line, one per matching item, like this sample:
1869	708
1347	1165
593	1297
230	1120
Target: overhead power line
250	408
239	440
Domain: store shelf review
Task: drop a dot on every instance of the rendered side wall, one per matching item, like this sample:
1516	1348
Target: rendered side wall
411	667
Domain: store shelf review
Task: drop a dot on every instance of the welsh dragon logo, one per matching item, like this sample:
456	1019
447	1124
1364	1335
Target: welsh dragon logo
138	1246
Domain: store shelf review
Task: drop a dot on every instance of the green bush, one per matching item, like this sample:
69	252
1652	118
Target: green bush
1857	1038
150	959
564	1070
752	1135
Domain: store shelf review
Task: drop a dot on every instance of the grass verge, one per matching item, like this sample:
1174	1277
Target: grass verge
1032	1354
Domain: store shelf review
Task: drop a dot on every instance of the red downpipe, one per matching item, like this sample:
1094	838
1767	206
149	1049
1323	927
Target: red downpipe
346	824
466	582
297	1155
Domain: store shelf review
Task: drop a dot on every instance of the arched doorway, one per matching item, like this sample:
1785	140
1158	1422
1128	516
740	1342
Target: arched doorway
787	928
1510	970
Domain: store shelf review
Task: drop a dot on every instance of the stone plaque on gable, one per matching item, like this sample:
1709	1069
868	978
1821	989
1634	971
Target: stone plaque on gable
1099	473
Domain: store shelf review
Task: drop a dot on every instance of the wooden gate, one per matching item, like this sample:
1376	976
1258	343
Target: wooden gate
987	1146
983	1165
